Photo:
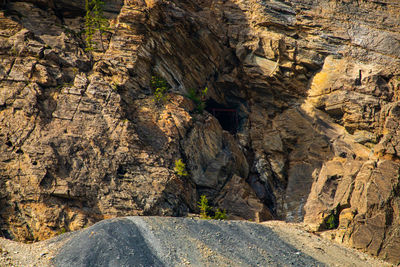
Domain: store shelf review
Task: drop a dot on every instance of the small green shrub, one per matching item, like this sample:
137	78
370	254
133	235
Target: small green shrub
62	231
331	222
160	88
206	210
198	98
180	168
220	215
94	21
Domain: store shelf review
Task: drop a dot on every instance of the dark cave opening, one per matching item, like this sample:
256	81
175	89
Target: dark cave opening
227	116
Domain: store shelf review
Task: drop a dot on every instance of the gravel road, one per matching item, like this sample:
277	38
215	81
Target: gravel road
161	241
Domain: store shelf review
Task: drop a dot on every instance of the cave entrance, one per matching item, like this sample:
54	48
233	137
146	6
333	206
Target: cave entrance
227	117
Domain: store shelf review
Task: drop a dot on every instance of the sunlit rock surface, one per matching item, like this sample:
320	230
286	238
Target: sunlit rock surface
314	87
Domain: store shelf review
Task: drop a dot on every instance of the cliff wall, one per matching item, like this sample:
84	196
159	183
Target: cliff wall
314	88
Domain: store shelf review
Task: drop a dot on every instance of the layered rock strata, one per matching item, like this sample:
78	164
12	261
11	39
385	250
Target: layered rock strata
314	88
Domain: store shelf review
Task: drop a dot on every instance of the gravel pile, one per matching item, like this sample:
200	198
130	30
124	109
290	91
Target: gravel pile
160	241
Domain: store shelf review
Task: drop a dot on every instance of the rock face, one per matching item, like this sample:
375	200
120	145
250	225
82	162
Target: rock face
314	88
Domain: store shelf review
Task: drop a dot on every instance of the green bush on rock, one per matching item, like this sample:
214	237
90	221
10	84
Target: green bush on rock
160	88
180	168
206	210
198	98
94	21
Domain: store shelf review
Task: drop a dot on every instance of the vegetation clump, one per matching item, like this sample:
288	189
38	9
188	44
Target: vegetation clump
331	222
180	168
220	215
206	210
94	21
160	88
62	231
198	98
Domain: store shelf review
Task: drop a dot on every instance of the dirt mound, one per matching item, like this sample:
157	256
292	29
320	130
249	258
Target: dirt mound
157	241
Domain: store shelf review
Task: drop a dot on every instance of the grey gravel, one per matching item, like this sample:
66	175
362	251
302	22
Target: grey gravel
161	241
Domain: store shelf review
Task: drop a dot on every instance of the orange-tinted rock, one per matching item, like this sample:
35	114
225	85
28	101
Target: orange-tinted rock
314	88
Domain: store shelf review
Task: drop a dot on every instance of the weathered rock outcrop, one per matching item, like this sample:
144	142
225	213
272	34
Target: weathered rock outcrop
314	88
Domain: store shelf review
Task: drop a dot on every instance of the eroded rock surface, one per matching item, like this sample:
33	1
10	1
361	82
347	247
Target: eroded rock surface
314	87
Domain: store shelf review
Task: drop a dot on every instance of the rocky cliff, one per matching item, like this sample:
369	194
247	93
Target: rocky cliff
312	89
